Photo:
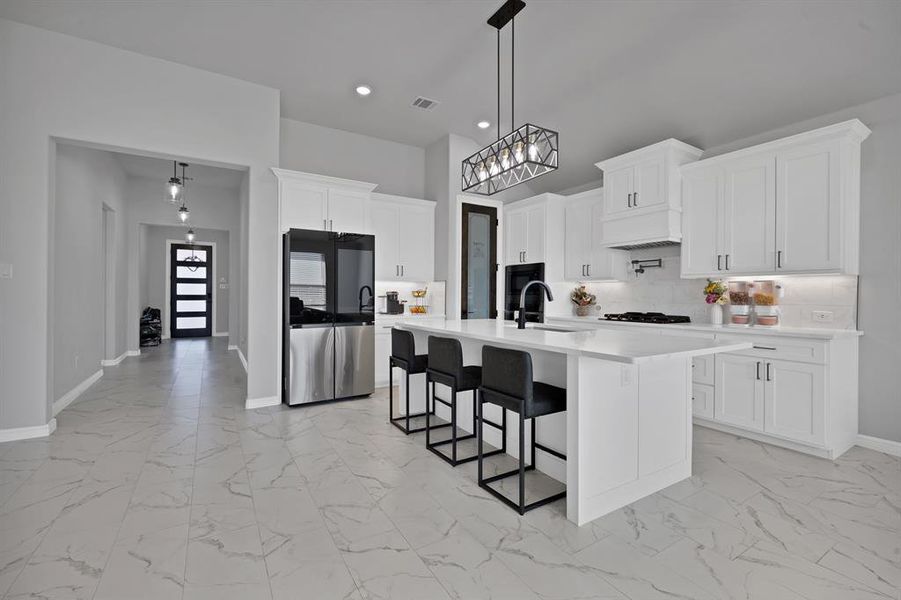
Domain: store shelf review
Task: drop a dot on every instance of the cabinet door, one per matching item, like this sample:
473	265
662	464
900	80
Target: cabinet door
795	401
738	398
382	352
303	206
702	223
577	239
808	218
536	218
749	216
702	400
515	236
347	211
649	183
416	252
384	218
618	190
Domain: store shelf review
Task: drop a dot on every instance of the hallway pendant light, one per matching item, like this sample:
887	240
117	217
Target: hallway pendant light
184	213
175	186
189	237
523	154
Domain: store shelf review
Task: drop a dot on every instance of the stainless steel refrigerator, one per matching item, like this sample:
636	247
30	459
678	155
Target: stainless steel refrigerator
329	330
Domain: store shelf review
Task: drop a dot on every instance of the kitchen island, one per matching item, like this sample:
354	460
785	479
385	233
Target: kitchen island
627	428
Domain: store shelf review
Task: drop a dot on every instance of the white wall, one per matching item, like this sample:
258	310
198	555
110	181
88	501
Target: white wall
86	181
212	209
397	168
57	86
880	256
153	269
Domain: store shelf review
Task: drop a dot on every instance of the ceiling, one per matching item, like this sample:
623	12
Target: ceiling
161	169
609	75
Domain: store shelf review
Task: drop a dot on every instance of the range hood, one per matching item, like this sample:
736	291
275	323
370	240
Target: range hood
653	229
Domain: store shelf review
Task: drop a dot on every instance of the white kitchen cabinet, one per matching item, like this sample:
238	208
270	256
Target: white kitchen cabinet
322	203
794	405
586	256
618	186
702	400
808	220
738	399
788	206
525	230
649	183
404	231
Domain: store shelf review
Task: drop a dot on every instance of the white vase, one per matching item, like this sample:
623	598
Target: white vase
716	314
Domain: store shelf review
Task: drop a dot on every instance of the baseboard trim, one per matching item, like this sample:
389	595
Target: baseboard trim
240	356
880	445
70	396
252	403
220	334
27	433
112	362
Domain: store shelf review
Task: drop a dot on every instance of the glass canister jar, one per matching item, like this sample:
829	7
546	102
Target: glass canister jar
740	303
766	303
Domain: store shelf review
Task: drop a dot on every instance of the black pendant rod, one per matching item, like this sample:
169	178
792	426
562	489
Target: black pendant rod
512	67
498	84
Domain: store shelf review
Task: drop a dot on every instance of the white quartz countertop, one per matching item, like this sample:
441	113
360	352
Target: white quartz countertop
798	332
619	346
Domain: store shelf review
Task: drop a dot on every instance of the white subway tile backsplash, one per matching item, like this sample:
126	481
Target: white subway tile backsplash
663	290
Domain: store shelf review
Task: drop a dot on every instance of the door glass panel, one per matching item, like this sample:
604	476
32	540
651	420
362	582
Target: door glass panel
190	306
190	289
190	272
185	254
478	280
190	322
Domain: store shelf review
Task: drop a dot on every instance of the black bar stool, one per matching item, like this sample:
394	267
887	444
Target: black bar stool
403	356
446	367
507	382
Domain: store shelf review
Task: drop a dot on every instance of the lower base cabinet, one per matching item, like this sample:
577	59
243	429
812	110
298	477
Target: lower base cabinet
794	401
739	391
702	400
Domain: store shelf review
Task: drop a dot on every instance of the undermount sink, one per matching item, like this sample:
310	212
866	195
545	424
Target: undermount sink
557	329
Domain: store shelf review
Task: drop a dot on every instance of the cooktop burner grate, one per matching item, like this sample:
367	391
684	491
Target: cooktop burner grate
647	317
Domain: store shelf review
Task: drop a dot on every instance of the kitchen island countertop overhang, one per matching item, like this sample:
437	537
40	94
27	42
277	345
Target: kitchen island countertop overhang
627	427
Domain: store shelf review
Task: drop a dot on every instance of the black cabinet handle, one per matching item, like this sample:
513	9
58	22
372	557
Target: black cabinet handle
758	370
756	347
768	376
719	262
779	259
634	199
727	262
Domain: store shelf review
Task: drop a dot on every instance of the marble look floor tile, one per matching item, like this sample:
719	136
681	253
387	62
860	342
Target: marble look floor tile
646	533
16	547
156	507
551	521
67	566
315	579
226	557
93	505
637	575
228	591
872	571
417	515
146	567
467	570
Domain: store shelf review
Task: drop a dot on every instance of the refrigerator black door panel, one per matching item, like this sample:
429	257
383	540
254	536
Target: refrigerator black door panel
355	267
310	275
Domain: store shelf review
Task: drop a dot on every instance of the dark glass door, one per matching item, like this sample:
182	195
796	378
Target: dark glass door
355	269
191	291
479	285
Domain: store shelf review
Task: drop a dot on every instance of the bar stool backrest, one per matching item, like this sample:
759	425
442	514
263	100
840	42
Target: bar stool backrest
507	372
446	356
402	345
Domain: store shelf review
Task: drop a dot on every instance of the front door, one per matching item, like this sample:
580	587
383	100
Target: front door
191	291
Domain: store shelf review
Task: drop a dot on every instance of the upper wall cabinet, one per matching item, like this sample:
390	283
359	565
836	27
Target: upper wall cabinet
785	207
404	231
642	194
532	233
586	257
319	202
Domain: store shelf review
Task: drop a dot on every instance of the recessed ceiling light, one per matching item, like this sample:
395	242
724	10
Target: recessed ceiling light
364	90
483	124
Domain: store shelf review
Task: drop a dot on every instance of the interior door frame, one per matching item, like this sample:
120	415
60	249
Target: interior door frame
166	316
492	213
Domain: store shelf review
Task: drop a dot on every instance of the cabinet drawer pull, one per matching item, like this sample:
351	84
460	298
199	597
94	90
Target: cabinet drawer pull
727	262
719	262
324	225
331	225
588	270
758	370
634	199
629	200
768	376
779	259
756	347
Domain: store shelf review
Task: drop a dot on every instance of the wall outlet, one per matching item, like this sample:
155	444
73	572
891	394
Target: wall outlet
822	316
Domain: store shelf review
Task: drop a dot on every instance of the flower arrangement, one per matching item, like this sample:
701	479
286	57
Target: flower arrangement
581	297
715	292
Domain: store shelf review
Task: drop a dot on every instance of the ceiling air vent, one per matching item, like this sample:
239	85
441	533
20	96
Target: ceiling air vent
424	103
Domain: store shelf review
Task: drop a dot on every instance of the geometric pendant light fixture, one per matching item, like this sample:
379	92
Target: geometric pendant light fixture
525	153
175	186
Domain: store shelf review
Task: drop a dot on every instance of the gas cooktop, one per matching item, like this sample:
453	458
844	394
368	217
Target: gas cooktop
648	317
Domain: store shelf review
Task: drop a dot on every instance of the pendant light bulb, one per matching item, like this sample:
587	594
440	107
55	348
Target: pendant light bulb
505	159
189	237
493	169
483	172
184	213
518	155
174	185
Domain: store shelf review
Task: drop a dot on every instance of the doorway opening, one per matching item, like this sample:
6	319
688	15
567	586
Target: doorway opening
191	290
108	278
478	292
